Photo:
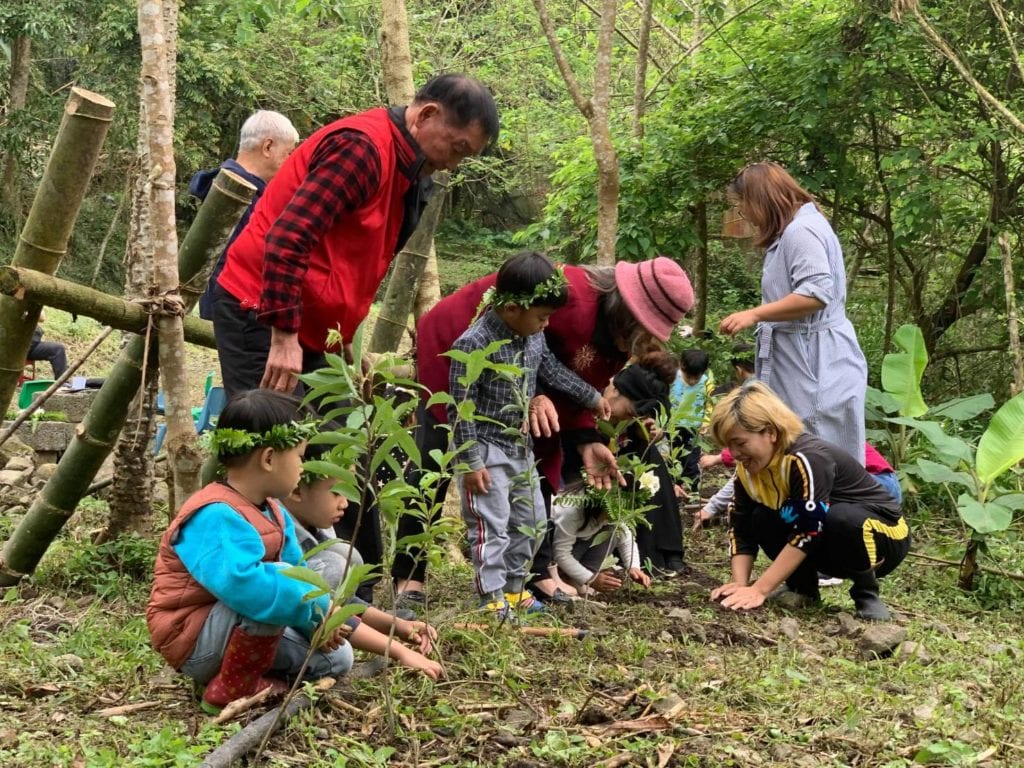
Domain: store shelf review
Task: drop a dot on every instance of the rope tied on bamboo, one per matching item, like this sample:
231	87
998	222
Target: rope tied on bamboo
166	304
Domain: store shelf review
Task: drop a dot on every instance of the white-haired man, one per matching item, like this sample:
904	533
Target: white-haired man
265	141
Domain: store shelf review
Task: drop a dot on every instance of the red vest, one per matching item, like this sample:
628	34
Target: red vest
178	605
344	269
570	335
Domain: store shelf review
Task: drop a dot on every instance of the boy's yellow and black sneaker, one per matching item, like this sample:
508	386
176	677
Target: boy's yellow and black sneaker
524	602
496	605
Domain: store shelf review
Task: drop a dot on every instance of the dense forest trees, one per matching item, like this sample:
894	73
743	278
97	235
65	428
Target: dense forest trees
918	172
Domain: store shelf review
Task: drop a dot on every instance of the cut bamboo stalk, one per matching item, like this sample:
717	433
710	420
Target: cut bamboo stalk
44	239
29	285
95	437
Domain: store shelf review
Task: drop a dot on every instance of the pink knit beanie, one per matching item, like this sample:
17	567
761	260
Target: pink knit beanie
657	292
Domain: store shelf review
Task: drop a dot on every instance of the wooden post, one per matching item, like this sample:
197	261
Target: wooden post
44	239
95	437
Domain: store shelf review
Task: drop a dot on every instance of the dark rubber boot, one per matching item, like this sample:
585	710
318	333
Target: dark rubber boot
799	591
865	596
246	658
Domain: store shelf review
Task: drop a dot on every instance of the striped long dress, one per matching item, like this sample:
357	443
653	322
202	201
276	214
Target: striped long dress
814	364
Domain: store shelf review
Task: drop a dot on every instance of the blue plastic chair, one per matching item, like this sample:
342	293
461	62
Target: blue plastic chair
214	403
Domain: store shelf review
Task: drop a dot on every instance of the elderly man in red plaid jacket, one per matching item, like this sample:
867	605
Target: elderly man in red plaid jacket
323	235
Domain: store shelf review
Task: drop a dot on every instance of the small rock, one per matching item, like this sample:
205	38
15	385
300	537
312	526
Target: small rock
683	614
69	660
848	626
44	472
8	737
925	711
666	637
790	628
781	753
323	734
827	646
19	463
520	716
809	654
667	703
911	650
996	649
881	639
697	633
940	628
745	756
11	477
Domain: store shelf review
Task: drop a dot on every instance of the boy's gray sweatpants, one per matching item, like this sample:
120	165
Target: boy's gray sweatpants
499	550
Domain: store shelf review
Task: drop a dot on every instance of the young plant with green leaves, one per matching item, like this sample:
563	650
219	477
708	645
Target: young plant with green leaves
978	470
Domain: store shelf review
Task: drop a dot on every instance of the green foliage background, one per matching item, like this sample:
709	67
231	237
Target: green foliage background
915	172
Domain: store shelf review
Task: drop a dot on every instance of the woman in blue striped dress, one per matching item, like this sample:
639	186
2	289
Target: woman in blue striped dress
807	349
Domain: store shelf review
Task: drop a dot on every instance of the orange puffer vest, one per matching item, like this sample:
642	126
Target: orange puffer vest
178	605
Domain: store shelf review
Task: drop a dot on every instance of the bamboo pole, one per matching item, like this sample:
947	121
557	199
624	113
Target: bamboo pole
95	437
44	239
132	316
40	400
405	277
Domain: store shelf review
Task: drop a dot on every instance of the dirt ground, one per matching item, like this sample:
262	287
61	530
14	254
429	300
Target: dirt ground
663	678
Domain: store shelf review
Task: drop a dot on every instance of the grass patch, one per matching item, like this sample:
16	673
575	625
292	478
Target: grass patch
734	690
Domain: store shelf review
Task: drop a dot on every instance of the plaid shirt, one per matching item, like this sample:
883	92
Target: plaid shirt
496	396
344	173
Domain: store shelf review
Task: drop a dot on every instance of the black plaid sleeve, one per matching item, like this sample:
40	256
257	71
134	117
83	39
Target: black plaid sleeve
344	172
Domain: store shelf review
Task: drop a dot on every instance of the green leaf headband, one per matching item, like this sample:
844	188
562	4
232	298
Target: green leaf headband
234	442
548	290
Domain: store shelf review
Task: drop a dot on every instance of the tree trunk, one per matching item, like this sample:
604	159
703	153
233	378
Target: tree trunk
640	78
158	33
405	284
1012	325
44	238
604	150
55	504
700	271
21	60
595	110
131	493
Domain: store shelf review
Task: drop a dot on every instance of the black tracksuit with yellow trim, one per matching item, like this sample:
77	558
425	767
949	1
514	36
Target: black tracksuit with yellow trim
818	498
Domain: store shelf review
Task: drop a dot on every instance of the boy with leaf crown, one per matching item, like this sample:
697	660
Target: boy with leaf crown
501	496
316	507
223	609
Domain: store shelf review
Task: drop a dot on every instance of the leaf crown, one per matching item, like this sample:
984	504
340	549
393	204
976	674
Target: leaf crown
235	442
548	291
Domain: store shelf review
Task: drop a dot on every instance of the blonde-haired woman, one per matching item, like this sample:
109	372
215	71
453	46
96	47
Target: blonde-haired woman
807	349
807	503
